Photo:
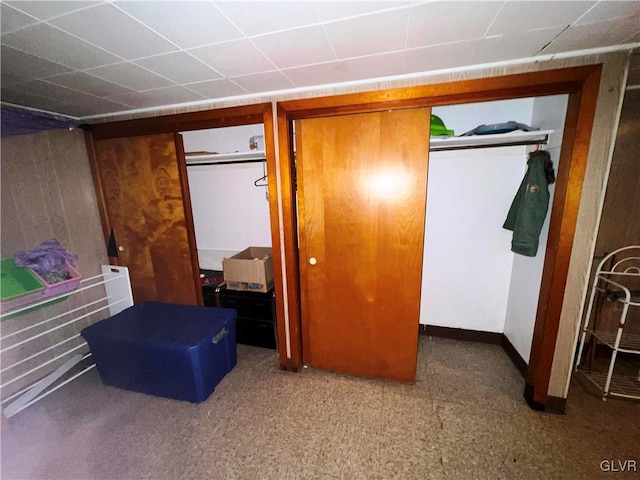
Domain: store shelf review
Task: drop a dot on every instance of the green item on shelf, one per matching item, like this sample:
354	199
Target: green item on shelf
438	129
16	281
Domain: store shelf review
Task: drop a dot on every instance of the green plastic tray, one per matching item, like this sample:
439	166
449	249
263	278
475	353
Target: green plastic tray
16	283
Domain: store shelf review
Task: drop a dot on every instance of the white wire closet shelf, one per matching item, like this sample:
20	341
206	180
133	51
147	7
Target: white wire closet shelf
617	279
436	143
517	137
204	158
58	333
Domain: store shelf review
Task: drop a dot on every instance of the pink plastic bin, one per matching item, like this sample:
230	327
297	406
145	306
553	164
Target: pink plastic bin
52	289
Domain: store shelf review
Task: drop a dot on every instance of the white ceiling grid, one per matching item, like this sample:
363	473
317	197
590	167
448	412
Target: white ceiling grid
85	58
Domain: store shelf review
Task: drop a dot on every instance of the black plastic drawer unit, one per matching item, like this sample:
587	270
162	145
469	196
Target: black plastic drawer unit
256	322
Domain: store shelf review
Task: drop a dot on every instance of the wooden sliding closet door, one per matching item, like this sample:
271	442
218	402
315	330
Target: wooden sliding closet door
361	195
146	201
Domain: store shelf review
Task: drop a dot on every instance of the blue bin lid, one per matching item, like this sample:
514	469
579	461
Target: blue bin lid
162	324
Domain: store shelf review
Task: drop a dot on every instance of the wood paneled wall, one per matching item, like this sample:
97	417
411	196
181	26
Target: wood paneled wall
620	223
47	192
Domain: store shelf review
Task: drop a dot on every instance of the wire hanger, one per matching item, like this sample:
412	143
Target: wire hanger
262	179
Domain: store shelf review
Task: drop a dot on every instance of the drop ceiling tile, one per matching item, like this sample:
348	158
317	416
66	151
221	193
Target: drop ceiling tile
88	84
188	24
179	67
374	66
633	38
606	10
82	102
438	57
507	47
436	23
159	97
264	82
593	35
130	76
321	74
235	58
370	34
46	89
18	97
255	18
519	16
305	46
93	106
115	31
11	19
9	80
20	65
49	9
217	88
132	99
57	46
328	11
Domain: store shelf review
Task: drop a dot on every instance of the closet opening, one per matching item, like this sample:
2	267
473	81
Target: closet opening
227	176
580	84
474	287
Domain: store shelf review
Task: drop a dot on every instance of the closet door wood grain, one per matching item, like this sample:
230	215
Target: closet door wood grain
143	186
361	196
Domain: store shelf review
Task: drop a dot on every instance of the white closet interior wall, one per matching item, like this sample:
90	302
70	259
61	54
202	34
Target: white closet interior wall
467	258
526	274
229	212
471	279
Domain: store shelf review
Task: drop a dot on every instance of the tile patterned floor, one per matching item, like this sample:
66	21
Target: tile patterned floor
463	419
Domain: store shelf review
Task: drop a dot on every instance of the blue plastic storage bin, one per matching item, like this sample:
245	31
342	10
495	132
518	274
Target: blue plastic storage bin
173	351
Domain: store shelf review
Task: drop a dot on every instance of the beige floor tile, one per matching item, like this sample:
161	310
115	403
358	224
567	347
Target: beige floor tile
464	418
349	451
478	443
411	457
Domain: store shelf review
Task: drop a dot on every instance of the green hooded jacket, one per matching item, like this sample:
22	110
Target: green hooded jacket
529	208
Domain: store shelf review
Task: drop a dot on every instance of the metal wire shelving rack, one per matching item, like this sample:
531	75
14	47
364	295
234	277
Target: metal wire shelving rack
57	339
615	283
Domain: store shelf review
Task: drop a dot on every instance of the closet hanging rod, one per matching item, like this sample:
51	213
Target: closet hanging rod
227	162
488	145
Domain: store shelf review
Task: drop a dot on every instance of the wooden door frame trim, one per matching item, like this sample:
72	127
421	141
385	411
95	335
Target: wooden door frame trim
532	84
580	83
289	343
182	122
102	204
188	215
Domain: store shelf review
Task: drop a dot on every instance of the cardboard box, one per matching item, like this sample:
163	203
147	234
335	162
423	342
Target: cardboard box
250	270
256	143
